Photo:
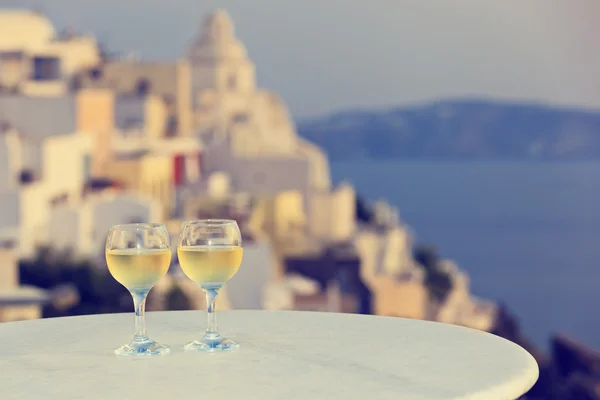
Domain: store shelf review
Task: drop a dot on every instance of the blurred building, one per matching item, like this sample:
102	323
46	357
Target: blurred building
54	115
461	307
95	115
35	60
282	218
131	77
251	147
296	292
86	143
336	270
54	175
145	173
16	302
333	214
247	131
399	298
141	113
182	153
245	290
82	227
11	157
89	112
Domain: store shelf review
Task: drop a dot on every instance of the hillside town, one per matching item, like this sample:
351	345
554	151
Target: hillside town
88	141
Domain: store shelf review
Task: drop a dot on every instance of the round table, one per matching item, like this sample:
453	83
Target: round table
283	355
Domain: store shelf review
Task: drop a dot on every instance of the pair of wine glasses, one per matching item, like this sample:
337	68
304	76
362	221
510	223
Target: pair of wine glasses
139	255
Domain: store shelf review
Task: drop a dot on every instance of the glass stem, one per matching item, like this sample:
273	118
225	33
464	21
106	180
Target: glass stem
139	302
211	327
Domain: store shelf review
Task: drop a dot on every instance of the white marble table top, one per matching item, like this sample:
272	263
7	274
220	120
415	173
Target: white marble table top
283	355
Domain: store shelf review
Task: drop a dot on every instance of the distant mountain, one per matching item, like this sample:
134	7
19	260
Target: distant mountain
459	129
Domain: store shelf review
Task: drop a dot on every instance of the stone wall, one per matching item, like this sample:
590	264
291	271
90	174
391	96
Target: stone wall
398	298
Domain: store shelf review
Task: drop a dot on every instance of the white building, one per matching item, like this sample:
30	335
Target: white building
66	164
251	139
219	60
387	252
246	289
83	227
37	118
61	168
35	60
16	302
397	251
248	131
461	307
145	112
185	152
333	214
65	169
11	157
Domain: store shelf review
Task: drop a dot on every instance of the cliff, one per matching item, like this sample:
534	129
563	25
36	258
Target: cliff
570	372
574	370
459	129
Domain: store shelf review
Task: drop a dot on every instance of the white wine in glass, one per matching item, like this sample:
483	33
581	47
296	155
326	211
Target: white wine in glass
210	253
138	269
138	256
210	266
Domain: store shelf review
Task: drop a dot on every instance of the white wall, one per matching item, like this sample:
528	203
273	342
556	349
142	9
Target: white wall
218	184
319	164
9	210
83	227
398	250
245	289
267	175
332	215
34	212
33	156
271	120
49	89
343	212
6	173
130	111
39	117
214	61
121	209
67	228
368	246
5	164
9	269
64	162
28	207
11	158
76	54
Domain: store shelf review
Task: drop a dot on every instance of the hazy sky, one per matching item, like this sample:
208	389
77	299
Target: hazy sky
326	55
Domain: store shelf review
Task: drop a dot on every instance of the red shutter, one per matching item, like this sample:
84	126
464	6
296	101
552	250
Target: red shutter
179	169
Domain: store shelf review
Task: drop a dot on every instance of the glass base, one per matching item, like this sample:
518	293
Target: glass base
212	345
143	348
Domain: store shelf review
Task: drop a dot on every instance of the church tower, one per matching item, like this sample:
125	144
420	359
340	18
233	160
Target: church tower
218	59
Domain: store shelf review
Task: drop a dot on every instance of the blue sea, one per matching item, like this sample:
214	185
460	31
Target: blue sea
528	234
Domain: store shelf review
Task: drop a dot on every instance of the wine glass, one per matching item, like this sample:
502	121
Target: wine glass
210	253
138	256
